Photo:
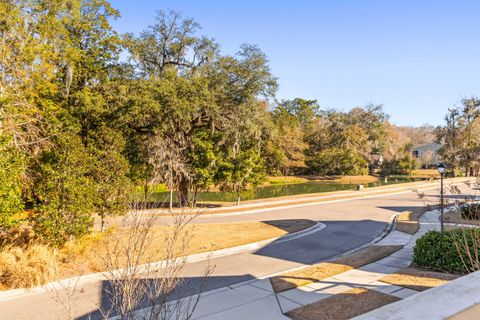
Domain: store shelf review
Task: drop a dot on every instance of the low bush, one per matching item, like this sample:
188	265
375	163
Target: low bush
450	251
470	211
25	268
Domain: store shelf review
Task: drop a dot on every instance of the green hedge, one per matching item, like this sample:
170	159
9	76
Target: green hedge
437	250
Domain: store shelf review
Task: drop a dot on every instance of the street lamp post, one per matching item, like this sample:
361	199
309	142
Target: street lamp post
441	169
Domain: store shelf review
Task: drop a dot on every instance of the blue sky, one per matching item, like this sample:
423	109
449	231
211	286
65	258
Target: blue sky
416	57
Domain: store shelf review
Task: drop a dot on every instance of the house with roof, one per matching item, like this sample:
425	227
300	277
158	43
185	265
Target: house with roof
427	154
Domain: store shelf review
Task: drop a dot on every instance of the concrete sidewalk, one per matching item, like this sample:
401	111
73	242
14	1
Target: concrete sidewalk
256	299
458	299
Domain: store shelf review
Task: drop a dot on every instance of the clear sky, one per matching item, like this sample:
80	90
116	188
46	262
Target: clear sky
416	57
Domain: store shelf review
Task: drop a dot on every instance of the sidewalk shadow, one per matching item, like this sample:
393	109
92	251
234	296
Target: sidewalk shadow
187	287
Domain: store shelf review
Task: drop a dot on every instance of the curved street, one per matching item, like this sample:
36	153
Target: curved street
349	224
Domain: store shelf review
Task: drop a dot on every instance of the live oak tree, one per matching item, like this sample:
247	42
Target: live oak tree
84	127
198	94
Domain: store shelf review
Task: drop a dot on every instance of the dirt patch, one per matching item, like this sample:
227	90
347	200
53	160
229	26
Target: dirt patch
345	305
324	270
418	279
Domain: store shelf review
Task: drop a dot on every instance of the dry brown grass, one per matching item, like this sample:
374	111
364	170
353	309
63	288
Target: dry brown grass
280	180
344	179
454	216
345	305
418	279
324	270
86	254
426	173
24	268
39	264
337	179
408	221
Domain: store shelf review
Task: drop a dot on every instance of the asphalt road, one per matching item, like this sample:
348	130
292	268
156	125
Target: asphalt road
349	224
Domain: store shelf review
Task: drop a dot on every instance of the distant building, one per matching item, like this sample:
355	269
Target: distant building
427	154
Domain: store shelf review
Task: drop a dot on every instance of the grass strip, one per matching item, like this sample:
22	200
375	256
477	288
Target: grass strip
345	305
418	279
324	270
38	264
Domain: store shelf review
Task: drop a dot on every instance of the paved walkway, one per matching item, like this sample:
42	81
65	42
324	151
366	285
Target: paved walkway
456	300
257	300
349	225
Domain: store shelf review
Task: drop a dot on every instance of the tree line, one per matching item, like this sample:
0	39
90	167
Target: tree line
460	138
89	116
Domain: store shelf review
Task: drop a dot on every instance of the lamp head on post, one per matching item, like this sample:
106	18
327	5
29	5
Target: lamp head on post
441	169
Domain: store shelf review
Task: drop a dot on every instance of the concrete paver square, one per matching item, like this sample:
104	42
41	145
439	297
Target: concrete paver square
395	238
383	287
358	277
404	293
339	288
395	262
262	309
403	254
264	284
287	304
228	299
325	286
379	268
304	296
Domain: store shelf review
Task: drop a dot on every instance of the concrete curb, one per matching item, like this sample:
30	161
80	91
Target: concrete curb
389	227
99	276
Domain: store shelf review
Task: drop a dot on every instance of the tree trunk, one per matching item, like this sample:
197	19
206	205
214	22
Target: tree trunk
194	197
171	199
102	221
183	188
145	192
238	198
